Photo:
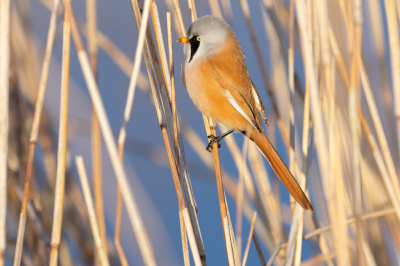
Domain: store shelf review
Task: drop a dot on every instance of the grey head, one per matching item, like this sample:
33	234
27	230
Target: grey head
206	36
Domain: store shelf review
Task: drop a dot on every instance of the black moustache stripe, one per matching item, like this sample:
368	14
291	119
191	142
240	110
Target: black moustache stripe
194	46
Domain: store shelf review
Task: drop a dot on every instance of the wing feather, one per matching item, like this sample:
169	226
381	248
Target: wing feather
232	75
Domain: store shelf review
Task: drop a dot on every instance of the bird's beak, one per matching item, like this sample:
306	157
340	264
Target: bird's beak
183	39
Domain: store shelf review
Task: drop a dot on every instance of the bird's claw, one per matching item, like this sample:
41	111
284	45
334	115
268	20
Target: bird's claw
213	139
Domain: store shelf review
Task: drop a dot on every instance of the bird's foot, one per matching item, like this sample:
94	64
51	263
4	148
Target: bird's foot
213	139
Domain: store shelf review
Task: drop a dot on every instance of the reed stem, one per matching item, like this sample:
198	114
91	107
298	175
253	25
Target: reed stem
4	103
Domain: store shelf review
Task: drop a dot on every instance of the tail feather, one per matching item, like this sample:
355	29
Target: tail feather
281	169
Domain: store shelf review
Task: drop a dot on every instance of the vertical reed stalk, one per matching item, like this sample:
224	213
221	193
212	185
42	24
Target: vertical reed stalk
182	206
232	237
122	133
185	248
292	236
4	101
92	215
246	251
192	8
181	159
227	10
181	201
180	18
161	49
314	98
305	142
258	248
162	122
379	130
137	224
118	218
176	140
378	157
292	133
316	110
173	95
62	147
215	9
340	233
273	255
96	134
394	60
35	130
332	196
298	212
221	199
239	200
133	81
165	98
304	149
355	16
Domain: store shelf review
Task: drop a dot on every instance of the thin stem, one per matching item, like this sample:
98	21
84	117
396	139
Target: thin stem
96	134
185	248
92	215
215	9
180	18
163	103
117	234
274	255
122	133
62	148
176	136
354	98
4	101
173	95
132	209
35	130
181	201
118	216
292	133
258	248
328	228
239	200
127	114
246	252
221	200
394	60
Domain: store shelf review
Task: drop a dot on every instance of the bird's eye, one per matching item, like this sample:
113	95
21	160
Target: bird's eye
199	38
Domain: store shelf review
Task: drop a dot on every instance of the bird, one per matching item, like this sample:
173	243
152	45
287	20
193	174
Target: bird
216	77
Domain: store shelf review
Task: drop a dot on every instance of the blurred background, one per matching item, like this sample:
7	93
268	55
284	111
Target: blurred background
342	60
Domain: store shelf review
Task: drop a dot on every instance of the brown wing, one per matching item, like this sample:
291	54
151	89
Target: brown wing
259	104
232	75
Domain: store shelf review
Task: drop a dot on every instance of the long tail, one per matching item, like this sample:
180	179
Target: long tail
281	169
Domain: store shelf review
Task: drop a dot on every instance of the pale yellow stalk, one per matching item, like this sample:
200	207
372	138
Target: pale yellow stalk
92	215
394	45
246	251
132	209
4	92
35	130
96	134
62	147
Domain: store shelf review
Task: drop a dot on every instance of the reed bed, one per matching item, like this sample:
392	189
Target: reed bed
329	75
